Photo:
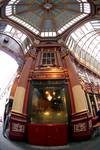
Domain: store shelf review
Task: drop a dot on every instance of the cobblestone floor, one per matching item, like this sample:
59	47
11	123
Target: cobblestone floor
92	144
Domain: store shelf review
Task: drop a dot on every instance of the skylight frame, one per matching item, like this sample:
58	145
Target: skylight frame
10	11
91	36
19	36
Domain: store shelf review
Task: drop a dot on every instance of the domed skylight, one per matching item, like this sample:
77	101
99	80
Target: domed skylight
47	18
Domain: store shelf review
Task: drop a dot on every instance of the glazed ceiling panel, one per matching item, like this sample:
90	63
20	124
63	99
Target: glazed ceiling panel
12	38
85	44
47	17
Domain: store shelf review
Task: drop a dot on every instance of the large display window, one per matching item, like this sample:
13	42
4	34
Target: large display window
47	102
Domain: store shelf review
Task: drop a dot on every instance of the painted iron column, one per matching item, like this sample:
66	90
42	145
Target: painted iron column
81	120
18	120
20	91
78	93
13	88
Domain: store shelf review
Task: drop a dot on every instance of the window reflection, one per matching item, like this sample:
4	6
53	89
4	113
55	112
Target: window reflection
48	105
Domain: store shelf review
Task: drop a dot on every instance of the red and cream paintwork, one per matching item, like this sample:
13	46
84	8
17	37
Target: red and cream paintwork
18	118
81	121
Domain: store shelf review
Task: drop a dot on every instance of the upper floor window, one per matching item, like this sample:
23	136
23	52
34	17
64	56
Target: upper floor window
48	58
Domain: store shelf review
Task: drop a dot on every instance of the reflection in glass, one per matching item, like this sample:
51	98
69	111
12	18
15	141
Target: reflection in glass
48	104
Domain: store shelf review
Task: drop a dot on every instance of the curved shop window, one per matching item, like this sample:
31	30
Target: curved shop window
47	102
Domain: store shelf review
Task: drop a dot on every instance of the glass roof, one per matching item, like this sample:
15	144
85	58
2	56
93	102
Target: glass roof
85	44
19	36
47	18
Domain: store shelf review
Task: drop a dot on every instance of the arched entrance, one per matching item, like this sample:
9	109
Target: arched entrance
8	69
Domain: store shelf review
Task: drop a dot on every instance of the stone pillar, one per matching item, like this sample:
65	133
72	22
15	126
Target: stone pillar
18	120
81	121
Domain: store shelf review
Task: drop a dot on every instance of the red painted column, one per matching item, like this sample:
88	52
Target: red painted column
20	91
81	121
69	88
71	98
13	88
26	98
18	120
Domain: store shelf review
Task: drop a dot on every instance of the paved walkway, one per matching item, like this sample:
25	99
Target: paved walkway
5	144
